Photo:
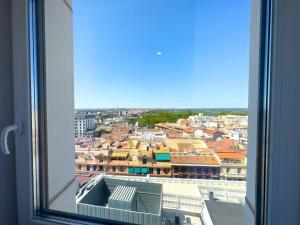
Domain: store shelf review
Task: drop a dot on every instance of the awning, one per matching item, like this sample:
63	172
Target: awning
137	170
144	170
161	151
130	170
162	157
119	155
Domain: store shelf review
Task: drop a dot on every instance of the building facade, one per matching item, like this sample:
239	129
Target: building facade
84	125
233	166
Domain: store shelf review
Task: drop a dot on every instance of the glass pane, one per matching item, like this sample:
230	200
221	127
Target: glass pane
147	109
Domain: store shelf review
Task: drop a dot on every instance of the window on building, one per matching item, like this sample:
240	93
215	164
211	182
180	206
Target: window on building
239	170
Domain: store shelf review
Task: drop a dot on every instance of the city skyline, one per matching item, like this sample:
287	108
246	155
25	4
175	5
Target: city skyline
199	63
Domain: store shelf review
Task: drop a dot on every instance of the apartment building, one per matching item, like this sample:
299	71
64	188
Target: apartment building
196	166
149	134
230	120
158	163
84	124
212	134
233	166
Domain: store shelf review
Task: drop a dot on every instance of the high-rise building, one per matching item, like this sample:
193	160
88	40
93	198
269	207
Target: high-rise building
84	124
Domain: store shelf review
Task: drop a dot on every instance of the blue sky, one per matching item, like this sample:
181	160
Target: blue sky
161	53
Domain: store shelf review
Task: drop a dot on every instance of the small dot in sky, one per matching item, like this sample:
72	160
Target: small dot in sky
158	53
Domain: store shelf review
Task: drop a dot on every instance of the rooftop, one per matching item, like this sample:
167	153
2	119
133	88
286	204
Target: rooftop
223	144
173	143
185	147
211	131
123	193
103	189
131	202
230	155
223	213
194	159
191	190
83	116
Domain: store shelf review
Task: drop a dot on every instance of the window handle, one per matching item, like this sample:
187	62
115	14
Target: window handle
4	136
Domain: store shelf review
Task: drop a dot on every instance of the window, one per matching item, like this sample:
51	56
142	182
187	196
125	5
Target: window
175	123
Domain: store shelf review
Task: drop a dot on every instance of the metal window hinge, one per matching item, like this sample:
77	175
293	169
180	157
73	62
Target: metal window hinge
17	127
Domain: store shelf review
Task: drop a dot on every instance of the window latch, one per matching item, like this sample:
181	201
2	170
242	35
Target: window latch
4	136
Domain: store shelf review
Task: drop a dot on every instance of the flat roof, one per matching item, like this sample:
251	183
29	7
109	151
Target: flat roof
224	213
197	160
191	190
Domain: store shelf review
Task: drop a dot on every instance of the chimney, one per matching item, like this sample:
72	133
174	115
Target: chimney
211	195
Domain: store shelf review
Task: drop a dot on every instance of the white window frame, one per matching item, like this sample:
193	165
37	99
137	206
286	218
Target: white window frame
29	209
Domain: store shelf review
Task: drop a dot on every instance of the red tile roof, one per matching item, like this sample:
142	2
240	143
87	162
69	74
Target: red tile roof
185	147
230	155
223	144
195	159
211	131
84	177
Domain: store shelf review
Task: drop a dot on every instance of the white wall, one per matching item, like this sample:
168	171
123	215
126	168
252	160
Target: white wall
60	104
8	210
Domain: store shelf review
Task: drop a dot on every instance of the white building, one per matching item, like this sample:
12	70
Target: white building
233	166
198	133
238	134
234	135
211	125
239	121
84	124
149	134
211	122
